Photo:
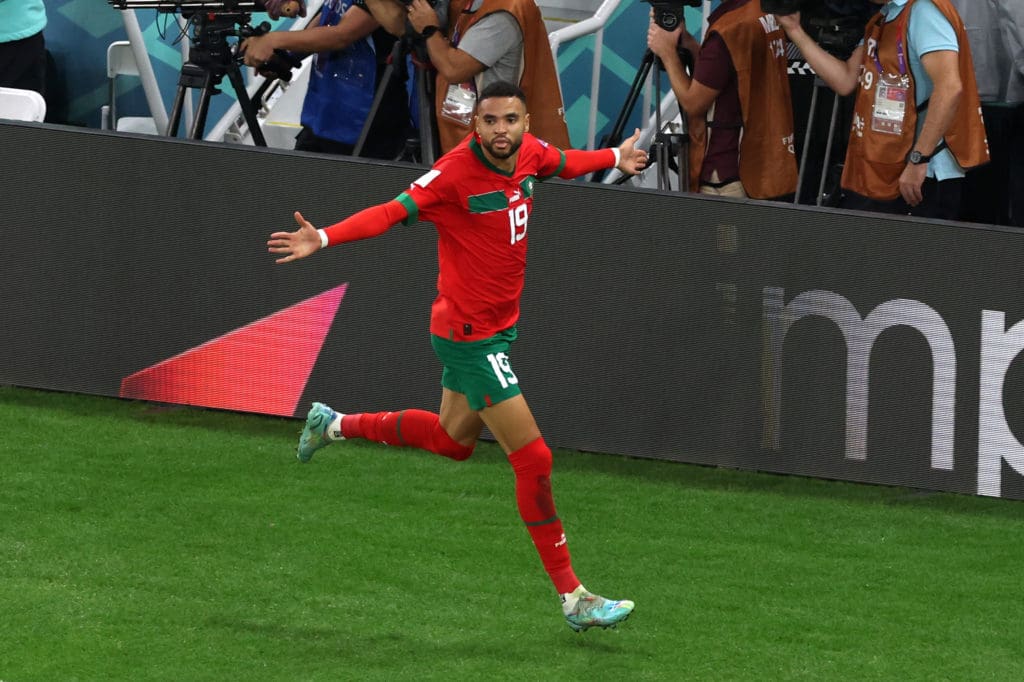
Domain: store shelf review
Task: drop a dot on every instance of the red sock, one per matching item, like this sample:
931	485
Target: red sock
413	428
532	466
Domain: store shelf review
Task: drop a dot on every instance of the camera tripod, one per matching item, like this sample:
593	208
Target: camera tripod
818	86
423	148
664	143
211	58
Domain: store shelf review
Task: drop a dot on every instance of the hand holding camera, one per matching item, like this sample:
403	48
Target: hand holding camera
790	23
668	14
421	14
662	42
258	51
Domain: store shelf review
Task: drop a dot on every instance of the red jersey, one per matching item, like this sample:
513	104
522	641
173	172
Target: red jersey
481	215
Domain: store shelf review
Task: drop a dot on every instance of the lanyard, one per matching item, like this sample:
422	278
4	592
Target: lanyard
457	33
901	29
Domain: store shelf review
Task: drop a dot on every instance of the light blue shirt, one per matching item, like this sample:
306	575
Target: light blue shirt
928	31
21	19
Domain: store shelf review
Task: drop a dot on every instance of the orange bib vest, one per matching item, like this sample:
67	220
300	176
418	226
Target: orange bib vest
757	46
538	79
875	160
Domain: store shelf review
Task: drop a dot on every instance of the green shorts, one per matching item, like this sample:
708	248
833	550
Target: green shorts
480	370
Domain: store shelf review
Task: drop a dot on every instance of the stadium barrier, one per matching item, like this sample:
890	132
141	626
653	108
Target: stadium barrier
753	335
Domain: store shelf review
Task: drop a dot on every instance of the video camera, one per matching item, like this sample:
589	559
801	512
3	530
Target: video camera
189	6
836	25
668	14
215	21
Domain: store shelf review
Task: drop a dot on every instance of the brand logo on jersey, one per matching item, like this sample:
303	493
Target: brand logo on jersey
516	196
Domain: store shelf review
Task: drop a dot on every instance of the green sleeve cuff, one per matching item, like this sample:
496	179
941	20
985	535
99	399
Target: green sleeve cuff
414	211
558	170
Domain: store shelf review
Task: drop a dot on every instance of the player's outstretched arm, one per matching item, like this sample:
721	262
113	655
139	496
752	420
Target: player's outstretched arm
626	157
631	159
303	242
306	240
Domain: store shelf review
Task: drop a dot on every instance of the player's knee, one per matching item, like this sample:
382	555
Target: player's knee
458	452
533	459
446	446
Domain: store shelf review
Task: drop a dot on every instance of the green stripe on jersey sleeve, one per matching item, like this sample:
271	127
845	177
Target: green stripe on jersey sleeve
558	170
414	211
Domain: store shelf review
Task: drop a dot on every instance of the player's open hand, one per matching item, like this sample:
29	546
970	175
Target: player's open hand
303	242
631	159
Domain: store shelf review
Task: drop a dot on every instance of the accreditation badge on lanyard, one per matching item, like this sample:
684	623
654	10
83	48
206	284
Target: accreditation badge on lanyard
459	102
892	89
460	99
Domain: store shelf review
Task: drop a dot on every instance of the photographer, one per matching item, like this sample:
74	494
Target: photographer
489	41
737	102
917	123
350	51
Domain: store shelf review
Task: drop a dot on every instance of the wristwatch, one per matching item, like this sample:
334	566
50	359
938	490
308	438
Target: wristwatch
429	31
917	158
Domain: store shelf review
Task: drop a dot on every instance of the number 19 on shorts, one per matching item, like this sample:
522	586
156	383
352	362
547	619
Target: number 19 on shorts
502	369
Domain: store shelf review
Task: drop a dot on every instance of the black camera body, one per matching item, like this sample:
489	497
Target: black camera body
668	14
782	7
836	25
190	6
214	22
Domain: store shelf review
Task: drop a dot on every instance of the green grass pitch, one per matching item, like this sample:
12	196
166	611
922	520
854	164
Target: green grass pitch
140	542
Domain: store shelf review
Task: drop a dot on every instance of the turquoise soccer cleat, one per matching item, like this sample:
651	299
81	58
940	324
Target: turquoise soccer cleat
595	611
314	433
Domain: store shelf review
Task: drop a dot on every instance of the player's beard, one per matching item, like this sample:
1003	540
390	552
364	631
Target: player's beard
513	147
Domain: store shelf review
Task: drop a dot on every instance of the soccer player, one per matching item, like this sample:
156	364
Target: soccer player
479	197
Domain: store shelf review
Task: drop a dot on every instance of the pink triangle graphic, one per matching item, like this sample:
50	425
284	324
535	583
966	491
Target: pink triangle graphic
262	367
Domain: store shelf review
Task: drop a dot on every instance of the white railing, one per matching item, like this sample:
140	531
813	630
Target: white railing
595	25
149	85
233	122
592	26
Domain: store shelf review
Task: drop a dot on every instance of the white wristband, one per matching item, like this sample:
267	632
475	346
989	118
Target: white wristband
618	155
323	239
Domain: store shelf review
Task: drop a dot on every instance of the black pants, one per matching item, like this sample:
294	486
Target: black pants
23	64
941	200
375	148
1015	150
994	193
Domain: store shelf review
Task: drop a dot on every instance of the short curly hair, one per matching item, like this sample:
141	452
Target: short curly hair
502	89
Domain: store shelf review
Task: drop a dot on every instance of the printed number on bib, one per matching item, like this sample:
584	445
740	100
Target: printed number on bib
517	218
502	370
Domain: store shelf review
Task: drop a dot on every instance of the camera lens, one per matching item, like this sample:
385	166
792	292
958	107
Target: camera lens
667	20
